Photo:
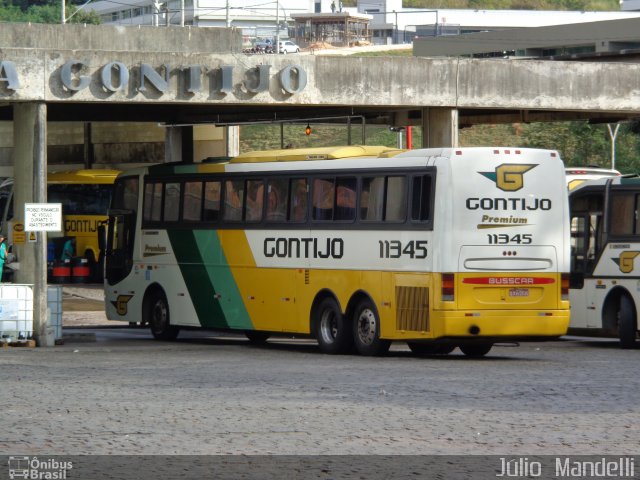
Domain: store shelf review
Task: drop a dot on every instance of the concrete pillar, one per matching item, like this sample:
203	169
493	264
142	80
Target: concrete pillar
439	127
172	144
233	141
30	185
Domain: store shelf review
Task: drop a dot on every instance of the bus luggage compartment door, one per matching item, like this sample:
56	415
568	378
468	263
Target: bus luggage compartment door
506	276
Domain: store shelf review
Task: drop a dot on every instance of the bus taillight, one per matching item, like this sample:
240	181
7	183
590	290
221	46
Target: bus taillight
447	287
564	287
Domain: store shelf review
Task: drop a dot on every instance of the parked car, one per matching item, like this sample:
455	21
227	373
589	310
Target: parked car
288	47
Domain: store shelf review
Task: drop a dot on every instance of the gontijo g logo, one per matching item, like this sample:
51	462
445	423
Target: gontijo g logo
508	177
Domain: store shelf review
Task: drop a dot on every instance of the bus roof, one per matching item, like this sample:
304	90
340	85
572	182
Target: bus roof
599	182
97	176
578	175
320	153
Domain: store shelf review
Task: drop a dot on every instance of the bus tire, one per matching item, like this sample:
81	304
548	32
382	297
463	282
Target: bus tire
156	315
366	330
476	350
257	338
627	327
332	329
430	349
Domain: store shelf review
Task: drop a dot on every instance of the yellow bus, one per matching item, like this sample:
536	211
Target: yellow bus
85	196
438	248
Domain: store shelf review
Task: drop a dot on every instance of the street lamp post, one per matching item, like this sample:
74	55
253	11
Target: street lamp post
613	134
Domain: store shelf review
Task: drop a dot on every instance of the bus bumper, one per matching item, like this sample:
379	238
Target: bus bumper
503	324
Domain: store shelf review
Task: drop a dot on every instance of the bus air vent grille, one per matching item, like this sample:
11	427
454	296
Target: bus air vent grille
412	311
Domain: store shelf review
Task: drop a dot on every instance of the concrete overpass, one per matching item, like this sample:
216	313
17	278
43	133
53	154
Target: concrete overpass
187	76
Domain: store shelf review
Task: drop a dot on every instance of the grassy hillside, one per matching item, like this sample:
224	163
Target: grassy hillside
579	143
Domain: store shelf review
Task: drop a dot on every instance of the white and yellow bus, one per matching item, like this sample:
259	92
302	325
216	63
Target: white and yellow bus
604	287
439	248
85	196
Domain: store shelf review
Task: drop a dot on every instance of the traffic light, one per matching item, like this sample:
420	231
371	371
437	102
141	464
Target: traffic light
307	131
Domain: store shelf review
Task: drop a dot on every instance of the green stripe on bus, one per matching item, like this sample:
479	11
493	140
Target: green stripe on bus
206	273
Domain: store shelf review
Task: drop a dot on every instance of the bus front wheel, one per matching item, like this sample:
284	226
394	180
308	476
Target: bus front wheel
627	328
332	328
475	350
366	330
156	315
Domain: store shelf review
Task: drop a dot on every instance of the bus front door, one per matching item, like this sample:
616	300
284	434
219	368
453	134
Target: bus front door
119	251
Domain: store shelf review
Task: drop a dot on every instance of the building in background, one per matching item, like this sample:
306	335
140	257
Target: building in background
391	23
257	20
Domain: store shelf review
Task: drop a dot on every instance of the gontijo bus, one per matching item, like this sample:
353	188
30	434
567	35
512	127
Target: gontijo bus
605	261
437	248
85	196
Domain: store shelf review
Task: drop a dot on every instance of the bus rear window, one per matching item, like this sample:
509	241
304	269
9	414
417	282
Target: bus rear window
81	199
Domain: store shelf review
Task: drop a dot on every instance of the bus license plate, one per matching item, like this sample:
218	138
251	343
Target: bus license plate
519	292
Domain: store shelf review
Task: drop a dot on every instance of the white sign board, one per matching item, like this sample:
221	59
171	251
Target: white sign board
43	217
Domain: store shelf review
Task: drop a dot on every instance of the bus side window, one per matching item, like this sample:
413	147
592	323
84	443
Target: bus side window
152	202
211	201
396	199
233	199
622	214
255	200
323	196
298	203
192	203
345	198
372	199
421	198
171	202
277	200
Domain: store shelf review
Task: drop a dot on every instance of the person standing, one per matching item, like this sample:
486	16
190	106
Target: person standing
69	249
3	255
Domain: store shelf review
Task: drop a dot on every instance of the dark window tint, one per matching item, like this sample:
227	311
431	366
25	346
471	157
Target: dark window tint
212	201
171	202
192	203
421	198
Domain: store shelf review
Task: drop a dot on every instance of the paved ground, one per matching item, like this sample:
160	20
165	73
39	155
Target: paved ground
215	394
128	394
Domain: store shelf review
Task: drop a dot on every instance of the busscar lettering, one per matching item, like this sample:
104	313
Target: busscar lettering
309	247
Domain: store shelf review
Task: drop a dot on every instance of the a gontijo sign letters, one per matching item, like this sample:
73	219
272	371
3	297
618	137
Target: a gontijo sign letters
76	75
43	217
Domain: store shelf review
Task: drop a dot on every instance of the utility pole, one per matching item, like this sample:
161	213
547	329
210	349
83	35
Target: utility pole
64	20
277	45
228	17
182	13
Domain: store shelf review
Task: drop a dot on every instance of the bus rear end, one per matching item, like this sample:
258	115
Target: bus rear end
505	276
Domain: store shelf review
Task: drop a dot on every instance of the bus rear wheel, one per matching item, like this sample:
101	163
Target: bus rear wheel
366	330
627	327
475	350
332	329
156	314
